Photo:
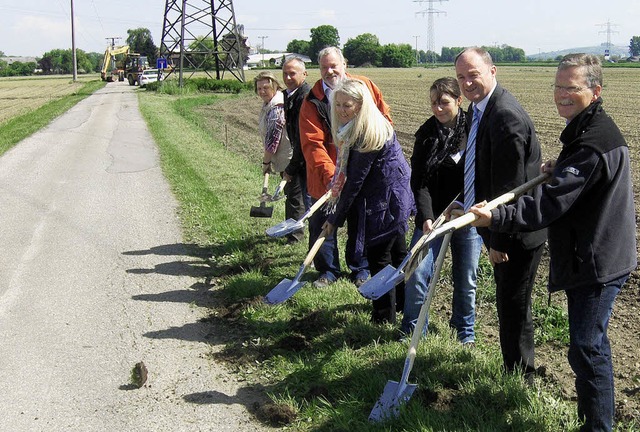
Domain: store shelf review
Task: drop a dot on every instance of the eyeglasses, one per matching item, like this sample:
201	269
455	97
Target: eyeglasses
569	89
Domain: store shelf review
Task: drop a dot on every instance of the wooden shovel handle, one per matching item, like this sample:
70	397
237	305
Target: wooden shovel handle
314	249
265	183
469	217
316	205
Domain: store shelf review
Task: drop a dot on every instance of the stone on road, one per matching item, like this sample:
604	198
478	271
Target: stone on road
94	278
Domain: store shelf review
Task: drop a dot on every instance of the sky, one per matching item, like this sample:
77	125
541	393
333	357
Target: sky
32	27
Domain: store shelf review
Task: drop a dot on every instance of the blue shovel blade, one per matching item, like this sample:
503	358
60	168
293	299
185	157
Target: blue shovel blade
389	403
283	291
381	283
284	228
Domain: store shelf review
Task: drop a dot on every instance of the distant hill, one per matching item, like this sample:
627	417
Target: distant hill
621	51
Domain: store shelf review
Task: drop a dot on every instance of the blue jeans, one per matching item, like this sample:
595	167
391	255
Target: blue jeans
466	246
590	353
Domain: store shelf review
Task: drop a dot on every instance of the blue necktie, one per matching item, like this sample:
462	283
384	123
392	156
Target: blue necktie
470	162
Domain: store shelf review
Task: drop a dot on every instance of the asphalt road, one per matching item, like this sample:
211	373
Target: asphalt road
94	278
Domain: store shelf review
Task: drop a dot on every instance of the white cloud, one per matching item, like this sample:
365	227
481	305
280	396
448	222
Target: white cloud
326	14
48	28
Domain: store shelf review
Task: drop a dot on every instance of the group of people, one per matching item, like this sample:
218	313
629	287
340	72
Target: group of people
342	140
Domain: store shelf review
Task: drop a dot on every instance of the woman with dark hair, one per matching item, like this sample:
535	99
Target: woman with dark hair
437	174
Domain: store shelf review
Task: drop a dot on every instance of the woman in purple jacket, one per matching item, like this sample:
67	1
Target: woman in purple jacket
373	177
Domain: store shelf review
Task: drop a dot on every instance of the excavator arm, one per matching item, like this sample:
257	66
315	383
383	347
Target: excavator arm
109	55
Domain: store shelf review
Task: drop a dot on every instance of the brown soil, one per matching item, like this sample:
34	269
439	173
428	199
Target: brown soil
240	136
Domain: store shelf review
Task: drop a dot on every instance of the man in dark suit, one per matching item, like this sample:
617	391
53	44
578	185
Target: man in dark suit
507	154
294	75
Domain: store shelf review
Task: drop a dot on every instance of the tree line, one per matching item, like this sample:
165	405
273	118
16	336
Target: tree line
366	50
362	50
60	61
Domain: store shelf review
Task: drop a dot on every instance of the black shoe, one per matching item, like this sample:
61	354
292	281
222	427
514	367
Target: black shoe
359	282
383	316
292	240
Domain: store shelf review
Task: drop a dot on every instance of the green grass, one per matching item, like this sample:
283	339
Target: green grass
18	128
317	355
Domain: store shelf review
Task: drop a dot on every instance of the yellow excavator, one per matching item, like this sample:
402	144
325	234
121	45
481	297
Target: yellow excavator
108	74
128	68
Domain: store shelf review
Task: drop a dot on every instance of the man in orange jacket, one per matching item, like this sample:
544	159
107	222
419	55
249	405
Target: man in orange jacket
320	156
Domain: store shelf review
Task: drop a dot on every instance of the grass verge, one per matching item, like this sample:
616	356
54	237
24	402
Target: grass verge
317	356
18	128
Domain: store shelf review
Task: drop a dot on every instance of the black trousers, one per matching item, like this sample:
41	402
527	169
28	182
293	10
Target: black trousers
379	256
514	285
294	206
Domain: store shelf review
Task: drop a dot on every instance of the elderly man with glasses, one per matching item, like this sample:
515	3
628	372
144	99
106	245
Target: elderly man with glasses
589	209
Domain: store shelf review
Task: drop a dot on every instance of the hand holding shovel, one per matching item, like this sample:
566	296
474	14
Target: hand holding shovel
262	210
277	194
290	225
383	281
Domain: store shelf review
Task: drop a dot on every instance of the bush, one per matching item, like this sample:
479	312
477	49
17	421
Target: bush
194	85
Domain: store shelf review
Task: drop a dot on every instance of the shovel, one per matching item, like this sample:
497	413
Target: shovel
396	393
291	225
383	281
386	279
469	217
277	194
262	210
286	288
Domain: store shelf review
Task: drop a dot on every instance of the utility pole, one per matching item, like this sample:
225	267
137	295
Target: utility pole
417	56
608	31
430	12
73	46
113	40
263	38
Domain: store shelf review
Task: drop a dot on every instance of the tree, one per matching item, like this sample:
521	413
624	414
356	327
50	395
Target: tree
362	49
298	46
140	41
321	37
634	46
57	61
398	55
18	69
431	57
202	55
96	61
448	54
229	44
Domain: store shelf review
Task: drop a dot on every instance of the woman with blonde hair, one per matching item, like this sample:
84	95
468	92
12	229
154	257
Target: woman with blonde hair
277	148
372	177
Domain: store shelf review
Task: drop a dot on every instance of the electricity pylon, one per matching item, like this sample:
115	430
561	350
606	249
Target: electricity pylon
202	35
430	12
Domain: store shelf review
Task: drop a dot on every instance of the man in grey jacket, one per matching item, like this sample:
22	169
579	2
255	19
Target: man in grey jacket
589	210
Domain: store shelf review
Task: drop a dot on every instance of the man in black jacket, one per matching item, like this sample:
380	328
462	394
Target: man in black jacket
294	75
588	207
507	154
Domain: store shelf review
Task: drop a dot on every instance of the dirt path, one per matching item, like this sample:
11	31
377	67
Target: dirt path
95	278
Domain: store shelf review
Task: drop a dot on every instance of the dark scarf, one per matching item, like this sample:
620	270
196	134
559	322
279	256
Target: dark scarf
446	143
